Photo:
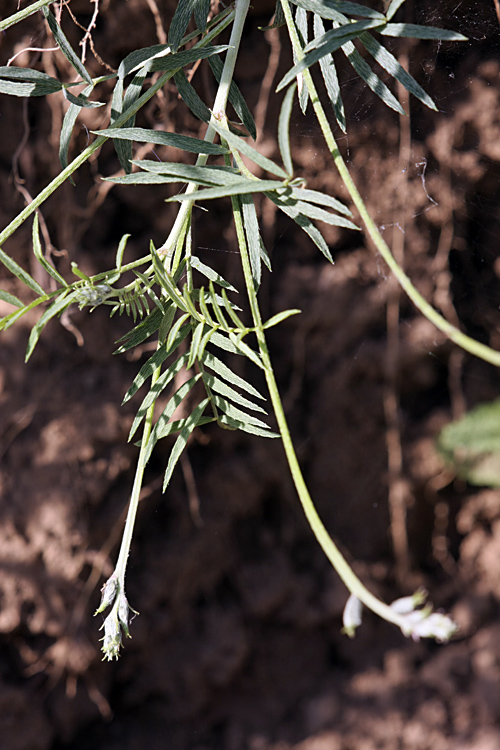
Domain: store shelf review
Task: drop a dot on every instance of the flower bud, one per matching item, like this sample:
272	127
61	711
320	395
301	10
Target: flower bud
352	616
108	593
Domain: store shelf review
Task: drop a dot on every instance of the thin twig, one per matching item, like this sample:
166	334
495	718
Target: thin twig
160	29
397	488
273	38
497	8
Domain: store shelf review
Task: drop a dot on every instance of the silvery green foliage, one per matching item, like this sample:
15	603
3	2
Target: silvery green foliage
187	308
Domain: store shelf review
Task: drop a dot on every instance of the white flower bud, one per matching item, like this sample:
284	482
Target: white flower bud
352	616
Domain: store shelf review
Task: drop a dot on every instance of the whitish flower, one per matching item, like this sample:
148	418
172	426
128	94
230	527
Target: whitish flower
422	622
409	603
435	625
108	593
112	641
352	616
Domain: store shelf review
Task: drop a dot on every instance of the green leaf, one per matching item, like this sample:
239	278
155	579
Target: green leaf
225	390
166	323
28	75
37	249
201	11
142	331
139	57
186	57
319	214
204	341
279	317
195	344
374	83
124	152
203	298
244	148
155	361
217	310
161	138
331	8
67	128
301	22
264	255
120	105
13	317
189	424
179	323
163	426
210	274
322	199
143	178
329	73
414	31
76	271
166	282
245	349
235	424
120	251
26	82
10	299
252	233
306	224
279	18
190	97
61	303
393	8
65	46
215	175
218	339
183	12
284	129
80	101
324	45
236	98
186	294
20	273
158	387
225	372
472	445
395	69
242	187
235	413
231	313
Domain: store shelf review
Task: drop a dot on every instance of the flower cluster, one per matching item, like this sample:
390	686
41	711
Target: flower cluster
112	593
414	619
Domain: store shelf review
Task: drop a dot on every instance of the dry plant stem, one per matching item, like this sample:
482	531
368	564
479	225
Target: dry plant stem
497	9
454	334
328	546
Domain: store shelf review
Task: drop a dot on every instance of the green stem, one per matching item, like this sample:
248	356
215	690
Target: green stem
219	109
128	531
11	20
327	544
454	334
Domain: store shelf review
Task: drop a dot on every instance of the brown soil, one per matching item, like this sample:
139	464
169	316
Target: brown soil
238	643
